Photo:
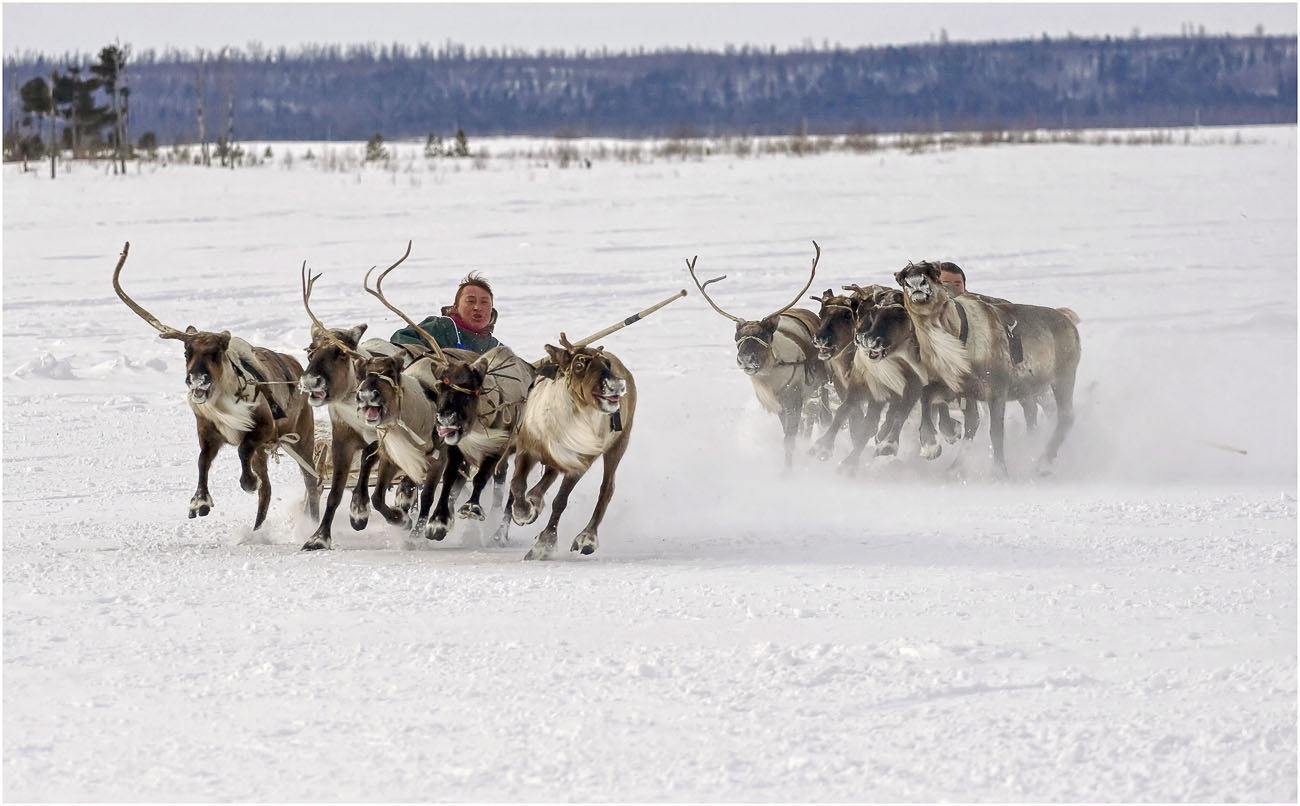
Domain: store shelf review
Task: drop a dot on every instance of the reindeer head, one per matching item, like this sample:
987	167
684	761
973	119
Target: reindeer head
882	329
590	375
456	396
836	316
206	363
331	365
754	337
379	395
921	287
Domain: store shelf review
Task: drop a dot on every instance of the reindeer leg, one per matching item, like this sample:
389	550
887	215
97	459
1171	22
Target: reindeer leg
997	429
359	510
1063	392
545	544
970	418
440	525
947	425
930	447
791	415
397	517
210	442
471	508
341	455
860	433
1030	406
263	485
824	447
527	507
899	409
247	448
520	512
586	541
306	430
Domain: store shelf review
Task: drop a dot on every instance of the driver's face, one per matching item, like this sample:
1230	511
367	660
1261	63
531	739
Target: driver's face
474	307
953	282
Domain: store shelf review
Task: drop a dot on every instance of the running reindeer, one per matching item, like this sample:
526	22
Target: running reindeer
581	408
477	403
331	380
243	396
991	353
854	378
778	355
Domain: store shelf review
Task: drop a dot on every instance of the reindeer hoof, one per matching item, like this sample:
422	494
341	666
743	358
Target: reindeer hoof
437	529
469	510
200	505
932	451
887	449
540	551
525	512
316	543
585	543
358	523
248	483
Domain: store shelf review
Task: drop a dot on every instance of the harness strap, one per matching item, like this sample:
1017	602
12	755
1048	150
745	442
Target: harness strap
1013	340
965	325
258	380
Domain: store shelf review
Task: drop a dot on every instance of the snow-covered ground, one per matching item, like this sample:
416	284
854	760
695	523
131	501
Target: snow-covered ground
1124	630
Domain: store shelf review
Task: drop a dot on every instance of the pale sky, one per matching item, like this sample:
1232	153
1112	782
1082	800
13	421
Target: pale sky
58	28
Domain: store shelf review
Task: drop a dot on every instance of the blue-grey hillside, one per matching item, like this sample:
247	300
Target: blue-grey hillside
336	92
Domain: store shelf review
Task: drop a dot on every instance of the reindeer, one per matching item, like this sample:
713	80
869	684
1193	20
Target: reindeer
887	346
243	396
838	318
581	408
992	353
477	404
334	359
396	397
777	354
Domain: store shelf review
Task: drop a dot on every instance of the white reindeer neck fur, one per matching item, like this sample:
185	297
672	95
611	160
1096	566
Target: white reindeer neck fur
941	348
884	378
572	436
225	408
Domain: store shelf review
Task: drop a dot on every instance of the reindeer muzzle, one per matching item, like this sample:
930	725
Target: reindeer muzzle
611	394
313	386
449	429
200	387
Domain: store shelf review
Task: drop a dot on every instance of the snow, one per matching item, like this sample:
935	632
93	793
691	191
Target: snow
1123	630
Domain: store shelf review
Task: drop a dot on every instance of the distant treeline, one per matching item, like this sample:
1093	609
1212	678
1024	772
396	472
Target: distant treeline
350	93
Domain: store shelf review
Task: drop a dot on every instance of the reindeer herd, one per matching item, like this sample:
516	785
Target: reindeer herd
434	419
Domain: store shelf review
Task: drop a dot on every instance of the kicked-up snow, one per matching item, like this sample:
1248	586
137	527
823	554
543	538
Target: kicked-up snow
1122	630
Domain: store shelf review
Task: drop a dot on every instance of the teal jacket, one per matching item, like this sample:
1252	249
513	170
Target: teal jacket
447	334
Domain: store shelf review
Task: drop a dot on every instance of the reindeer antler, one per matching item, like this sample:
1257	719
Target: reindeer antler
690	266
807	285
377	293
167	332
309	282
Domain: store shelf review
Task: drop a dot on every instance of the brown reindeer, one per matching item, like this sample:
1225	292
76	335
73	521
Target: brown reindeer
581	408
334	359
838	317
479	407
243	396
777	354
992	353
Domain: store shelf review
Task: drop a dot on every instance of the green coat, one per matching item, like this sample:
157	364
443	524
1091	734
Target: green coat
445	332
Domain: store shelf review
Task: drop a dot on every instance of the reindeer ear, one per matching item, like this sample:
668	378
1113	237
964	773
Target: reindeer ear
481	366
771	322
558	355
224	338
898	275
356	332
191	330
316	332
